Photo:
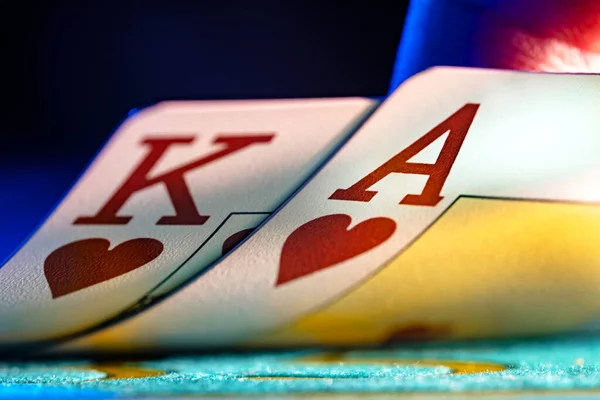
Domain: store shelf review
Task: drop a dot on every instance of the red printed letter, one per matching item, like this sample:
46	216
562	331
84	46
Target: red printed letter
457	125
181	198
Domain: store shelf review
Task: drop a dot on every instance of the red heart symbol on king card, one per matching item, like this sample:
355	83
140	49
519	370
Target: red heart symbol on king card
326	241
85	263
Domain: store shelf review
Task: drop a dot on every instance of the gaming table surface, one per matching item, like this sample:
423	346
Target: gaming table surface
527	368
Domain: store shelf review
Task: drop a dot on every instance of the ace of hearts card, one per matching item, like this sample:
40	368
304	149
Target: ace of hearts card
177	186
468	205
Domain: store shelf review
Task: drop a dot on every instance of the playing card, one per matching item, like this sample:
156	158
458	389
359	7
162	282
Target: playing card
466	206
178	185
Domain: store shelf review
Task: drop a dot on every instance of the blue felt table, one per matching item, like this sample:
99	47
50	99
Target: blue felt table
521	368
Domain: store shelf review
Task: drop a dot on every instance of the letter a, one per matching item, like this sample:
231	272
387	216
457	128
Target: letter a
457	126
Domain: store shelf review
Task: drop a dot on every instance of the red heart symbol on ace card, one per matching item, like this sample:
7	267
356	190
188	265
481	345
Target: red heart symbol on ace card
85	263
326	241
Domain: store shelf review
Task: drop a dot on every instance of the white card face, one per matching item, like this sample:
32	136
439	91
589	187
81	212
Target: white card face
444	138
179	184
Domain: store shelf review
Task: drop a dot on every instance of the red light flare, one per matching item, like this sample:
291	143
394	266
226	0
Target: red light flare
539	35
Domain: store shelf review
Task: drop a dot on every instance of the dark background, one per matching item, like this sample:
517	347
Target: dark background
73	69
